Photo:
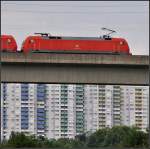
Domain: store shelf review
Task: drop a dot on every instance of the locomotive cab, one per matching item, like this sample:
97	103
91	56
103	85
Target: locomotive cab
29	44
8	43
121	46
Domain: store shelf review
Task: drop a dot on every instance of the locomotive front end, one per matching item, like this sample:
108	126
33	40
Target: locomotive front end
8	43
29	44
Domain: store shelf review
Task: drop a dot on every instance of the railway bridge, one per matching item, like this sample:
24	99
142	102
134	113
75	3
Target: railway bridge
75	68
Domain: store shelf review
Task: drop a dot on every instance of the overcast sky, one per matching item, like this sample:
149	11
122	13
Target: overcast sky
79	18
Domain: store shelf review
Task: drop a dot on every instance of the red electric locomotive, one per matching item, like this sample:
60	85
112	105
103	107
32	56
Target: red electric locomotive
46	43
8	43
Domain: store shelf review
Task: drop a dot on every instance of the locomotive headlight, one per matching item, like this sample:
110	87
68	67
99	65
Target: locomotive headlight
32	41
8	40
121	42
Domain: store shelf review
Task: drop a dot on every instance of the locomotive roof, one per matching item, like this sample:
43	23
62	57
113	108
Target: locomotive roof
7	36
65	37
76	38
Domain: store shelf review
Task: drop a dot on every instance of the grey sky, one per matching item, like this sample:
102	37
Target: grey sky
79	18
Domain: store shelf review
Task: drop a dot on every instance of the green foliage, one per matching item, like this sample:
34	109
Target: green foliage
118	136
81	137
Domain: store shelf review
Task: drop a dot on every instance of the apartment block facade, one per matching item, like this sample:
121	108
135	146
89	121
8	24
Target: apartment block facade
64	111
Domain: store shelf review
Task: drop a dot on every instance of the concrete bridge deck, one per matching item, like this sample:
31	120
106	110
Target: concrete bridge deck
75	68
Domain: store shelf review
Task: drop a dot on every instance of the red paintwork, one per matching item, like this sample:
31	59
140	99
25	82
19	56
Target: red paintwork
8	43
115	45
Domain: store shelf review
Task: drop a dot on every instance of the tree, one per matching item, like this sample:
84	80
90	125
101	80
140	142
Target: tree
117	136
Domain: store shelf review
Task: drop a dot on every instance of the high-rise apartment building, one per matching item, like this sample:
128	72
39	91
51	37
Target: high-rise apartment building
64	111
107	106
17	109
136	106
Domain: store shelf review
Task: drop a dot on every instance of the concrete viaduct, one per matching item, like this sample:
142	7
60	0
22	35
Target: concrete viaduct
75	68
